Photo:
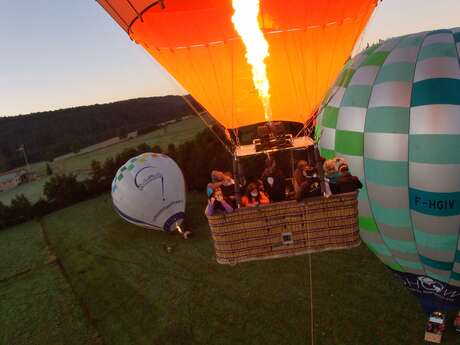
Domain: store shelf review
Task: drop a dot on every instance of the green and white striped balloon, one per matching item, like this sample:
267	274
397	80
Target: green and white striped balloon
394	115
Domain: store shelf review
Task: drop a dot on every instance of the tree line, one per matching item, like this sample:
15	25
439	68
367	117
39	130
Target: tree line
46	135
196	158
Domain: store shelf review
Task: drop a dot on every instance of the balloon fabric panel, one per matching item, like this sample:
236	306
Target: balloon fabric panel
196	42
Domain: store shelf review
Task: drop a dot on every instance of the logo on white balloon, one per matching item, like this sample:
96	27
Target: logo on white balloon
147	175
430	284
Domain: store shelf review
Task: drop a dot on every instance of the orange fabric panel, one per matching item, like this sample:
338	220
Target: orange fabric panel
195	41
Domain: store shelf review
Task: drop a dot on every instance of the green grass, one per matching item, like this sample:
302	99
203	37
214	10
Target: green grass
32	190
21	248
138	293
176	133
39	308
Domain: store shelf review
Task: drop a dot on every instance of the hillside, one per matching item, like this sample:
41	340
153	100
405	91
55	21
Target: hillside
49	134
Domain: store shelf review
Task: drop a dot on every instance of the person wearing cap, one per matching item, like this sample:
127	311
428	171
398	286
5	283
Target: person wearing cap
300	176
312	185
273	180
347	183
216	203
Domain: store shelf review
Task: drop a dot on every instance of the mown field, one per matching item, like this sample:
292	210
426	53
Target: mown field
117	284
79	164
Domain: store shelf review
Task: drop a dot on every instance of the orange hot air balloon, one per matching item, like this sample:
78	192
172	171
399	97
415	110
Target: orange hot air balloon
195	40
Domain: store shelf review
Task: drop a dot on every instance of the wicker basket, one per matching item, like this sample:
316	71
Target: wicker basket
286	229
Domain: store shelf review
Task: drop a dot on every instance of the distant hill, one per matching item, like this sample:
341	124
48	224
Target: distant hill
49	134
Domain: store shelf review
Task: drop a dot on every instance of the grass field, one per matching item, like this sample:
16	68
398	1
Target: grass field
176	133
134	292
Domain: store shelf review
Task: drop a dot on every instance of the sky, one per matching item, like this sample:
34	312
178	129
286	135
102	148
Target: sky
63	53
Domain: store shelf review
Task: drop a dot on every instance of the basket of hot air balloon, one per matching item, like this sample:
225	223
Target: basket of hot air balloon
249	63
286	229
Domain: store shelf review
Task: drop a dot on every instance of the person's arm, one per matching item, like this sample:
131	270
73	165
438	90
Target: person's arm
299	194
226	206
263	199
209	209
359	185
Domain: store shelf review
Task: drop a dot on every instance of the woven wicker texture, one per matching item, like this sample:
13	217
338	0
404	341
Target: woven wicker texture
286	229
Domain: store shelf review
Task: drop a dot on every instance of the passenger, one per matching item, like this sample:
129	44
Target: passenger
330	176
217	178
311	187
299	175
274	181
228	189
217	204
347	183
254	196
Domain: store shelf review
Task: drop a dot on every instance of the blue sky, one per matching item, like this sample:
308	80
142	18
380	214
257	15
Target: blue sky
62	53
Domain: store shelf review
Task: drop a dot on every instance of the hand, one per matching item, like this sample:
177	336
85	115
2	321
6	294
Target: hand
219	198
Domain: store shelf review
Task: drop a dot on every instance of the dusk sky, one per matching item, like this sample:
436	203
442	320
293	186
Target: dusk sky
62	53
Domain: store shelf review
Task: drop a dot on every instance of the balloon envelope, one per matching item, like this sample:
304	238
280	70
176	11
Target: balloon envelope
196	42
394	114
149	191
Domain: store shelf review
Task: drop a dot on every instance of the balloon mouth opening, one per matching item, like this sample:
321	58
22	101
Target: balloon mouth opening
173	222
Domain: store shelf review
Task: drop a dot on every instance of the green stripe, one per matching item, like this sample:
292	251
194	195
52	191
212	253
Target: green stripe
410	264
434	148
375	59
397	217
356	96
442	242
328	154
329	118
455	275
440	49
387	120
410	41
348	142
440	265
436	91
345	77
367	224
399	71
396	267
400	246
392	174
457	37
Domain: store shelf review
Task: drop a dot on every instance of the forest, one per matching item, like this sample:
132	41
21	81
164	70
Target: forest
46	135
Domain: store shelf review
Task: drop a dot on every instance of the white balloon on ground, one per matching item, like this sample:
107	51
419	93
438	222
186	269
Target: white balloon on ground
149	191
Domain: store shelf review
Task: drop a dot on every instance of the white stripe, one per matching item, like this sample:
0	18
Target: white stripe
327	140
408	54
386	146
365	75
435	119
455	30
337	98
437	67
356	165
440	225
436	178
351	119
358	60
391	94
438	38
390	197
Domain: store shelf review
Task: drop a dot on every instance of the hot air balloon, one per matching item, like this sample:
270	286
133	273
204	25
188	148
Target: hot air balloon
149	191
394	115
250	62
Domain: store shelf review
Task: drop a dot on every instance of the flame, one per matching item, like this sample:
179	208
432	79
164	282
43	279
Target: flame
246	23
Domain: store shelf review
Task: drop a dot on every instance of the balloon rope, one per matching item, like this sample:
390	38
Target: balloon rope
200	115
311	300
